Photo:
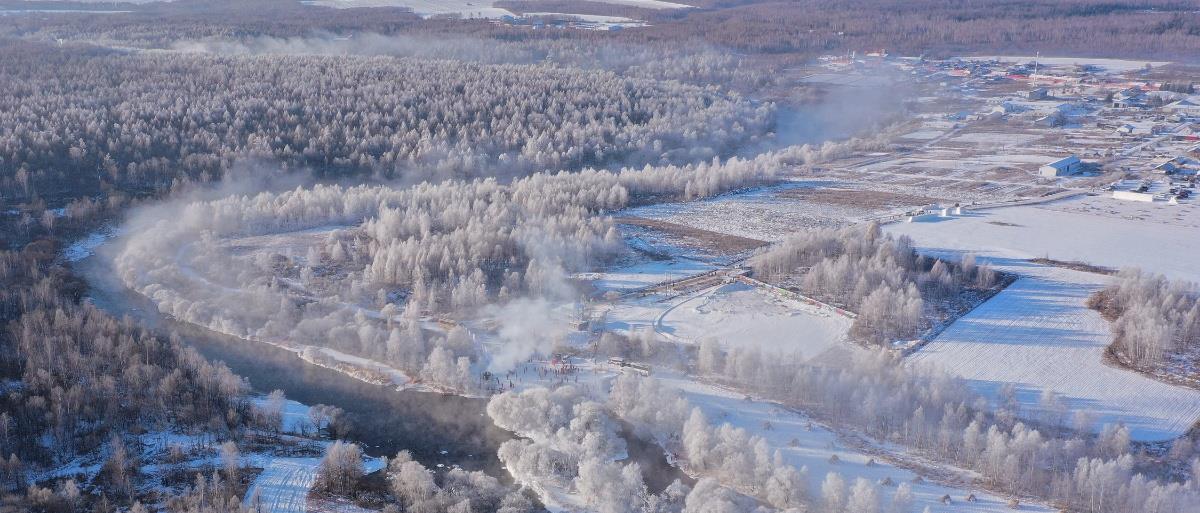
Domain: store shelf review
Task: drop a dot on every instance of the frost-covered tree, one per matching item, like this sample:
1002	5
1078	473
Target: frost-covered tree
340	469
1152	316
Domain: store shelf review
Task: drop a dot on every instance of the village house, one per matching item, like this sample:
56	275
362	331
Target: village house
1066	166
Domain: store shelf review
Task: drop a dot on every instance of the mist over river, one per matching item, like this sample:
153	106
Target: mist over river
436	428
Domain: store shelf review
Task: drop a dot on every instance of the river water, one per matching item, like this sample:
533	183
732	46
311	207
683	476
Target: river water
436	428
384	420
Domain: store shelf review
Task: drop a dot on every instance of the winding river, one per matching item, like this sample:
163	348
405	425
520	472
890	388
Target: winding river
436	428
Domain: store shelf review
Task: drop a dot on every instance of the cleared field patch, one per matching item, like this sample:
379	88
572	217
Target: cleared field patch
761	214
863	198
741	315
772	213
692	237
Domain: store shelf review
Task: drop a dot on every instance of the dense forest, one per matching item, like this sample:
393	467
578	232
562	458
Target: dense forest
80	122
77	382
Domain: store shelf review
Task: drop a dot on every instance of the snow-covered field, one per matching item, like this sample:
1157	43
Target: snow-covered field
594	21
758	214
647	4
766	213
737	314
471	8
1038	334
996	139
1099	230
924	135
283	485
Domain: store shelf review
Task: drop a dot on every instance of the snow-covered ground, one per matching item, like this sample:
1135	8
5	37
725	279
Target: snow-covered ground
647	4
593	21
597	18
471	8
737	315
1038	334
295	416
996	139
365	369
1096	229
924	135
283	485
765	213
805	443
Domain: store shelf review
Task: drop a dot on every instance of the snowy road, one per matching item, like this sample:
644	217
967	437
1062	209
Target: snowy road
283	486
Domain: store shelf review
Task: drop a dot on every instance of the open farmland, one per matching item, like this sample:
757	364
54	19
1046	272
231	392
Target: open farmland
772	213
1094	229
1038	335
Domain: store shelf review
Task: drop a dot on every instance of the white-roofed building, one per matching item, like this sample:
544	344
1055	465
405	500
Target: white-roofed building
1189	106
1066	166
